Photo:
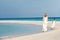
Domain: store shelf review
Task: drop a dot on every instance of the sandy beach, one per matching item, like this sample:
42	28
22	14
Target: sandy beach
50	35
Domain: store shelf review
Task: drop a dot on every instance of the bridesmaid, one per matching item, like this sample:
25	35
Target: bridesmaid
53	23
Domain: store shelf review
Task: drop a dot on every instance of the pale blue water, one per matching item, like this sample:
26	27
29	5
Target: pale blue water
11	29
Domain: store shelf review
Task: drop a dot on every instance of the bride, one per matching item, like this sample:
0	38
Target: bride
45	22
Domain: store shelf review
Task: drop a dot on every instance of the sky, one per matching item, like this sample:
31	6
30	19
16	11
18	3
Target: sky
29	8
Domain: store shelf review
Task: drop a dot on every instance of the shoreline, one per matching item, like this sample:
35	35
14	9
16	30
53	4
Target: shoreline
18	35
19	22
37	36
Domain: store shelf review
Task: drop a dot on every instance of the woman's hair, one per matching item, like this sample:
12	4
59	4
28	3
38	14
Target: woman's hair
45	15
53	18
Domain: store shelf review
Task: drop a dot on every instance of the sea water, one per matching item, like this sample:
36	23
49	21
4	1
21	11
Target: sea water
12	29
32	19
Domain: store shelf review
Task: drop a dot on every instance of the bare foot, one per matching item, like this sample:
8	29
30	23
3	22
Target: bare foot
44	31
53	28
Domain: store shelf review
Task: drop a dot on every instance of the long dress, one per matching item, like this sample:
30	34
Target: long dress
53	24
45	21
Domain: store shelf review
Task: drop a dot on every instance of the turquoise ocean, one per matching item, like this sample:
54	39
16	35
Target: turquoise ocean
32	19
7	29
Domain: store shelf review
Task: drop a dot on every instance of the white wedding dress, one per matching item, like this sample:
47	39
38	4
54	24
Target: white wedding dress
45	22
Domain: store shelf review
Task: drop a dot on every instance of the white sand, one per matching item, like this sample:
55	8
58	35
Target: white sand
51	35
